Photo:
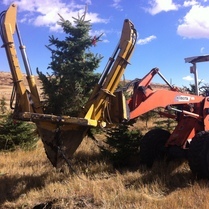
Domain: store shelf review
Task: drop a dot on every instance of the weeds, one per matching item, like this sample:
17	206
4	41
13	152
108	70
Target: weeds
29	181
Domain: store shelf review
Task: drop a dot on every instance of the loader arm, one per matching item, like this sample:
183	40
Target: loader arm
190	111
99	101
61	135
160	98
25	101
145	99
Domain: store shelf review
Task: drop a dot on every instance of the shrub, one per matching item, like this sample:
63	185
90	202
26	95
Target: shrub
16	134
122	145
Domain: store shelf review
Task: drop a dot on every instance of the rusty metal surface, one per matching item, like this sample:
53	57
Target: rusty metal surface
61	143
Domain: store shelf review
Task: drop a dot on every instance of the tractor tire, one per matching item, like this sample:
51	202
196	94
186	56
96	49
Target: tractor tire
152	146
198	155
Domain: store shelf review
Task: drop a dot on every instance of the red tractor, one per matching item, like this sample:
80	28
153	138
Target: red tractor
190	138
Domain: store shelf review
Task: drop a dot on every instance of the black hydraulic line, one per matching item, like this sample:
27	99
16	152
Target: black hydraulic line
2	15
108	66
112	58
134	39
22	47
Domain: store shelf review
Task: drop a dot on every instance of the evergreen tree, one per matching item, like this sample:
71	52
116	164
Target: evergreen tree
16	134
122	145
3	107
147	116
191	88
69	85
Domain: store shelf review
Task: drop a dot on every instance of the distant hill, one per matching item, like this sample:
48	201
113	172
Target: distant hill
6	85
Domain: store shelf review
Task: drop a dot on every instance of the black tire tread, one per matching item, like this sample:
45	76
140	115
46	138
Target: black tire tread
198	155
152	146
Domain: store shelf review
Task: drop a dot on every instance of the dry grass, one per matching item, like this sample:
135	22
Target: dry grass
27	180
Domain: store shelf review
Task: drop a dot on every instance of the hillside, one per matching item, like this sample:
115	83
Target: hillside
6	85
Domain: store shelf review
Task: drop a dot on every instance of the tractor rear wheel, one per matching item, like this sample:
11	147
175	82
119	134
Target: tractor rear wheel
152	146
198	155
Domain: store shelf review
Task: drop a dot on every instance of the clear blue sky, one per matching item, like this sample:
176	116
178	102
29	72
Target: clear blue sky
168	32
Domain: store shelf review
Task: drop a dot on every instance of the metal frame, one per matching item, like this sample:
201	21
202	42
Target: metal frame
193	68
